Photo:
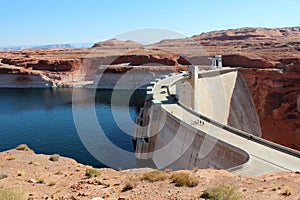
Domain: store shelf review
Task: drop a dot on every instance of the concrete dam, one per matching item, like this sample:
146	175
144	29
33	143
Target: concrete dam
206	119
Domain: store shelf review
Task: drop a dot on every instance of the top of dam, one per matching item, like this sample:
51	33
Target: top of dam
206	119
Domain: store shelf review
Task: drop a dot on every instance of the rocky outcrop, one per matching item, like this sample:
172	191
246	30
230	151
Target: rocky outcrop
275	94
55	65
150	57
238	60
46	65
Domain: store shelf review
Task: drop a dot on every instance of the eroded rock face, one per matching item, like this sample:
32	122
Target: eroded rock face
55	65
149	57
275	94
46	65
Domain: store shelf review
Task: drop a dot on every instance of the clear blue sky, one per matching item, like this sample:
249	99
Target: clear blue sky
35	22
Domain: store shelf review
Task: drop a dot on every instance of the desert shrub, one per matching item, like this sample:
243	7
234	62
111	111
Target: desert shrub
52	183
221	192
58	172
184	179
154	176
9	194
34	163
11	158
91	172
54	157
287	191
195	169
260	190
23	147
58	190
40	181
20	173
128	186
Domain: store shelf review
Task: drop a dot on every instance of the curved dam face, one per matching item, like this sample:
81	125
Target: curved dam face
181	146
222	96
172	137
188	123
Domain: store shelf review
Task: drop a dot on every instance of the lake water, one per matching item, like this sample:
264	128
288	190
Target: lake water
43	119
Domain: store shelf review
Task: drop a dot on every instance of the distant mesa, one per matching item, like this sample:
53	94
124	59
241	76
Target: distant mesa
117	43
48	46
249	33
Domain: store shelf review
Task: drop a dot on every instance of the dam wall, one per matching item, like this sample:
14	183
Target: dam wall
222	96
171	134
170	138
242	113
181	146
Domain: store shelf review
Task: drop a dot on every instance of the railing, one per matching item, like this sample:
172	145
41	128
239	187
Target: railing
230	129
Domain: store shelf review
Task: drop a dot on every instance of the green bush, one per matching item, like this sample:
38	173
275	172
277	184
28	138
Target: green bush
91	172
221	192
9	194
154	176
184	179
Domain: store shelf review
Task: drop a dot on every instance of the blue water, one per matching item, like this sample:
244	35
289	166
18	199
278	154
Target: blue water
43	119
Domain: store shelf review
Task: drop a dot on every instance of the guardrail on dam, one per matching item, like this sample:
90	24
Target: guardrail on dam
184	125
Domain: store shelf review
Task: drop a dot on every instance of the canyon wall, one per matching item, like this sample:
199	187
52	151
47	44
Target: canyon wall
275	94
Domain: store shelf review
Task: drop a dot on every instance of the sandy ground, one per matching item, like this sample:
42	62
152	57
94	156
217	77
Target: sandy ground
39	178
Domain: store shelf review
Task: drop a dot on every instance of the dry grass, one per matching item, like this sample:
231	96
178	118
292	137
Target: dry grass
40	181
128	186
54	157
221	192
184	179
58	172
34	163
11	158
154	176
9	194
260	190
287	191
23	147
91	172
52	183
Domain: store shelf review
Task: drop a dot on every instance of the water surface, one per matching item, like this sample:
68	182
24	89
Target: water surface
43	119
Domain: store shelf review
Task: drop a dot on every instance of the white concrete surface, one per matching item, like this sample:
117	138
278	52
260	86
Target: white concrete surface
262	160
